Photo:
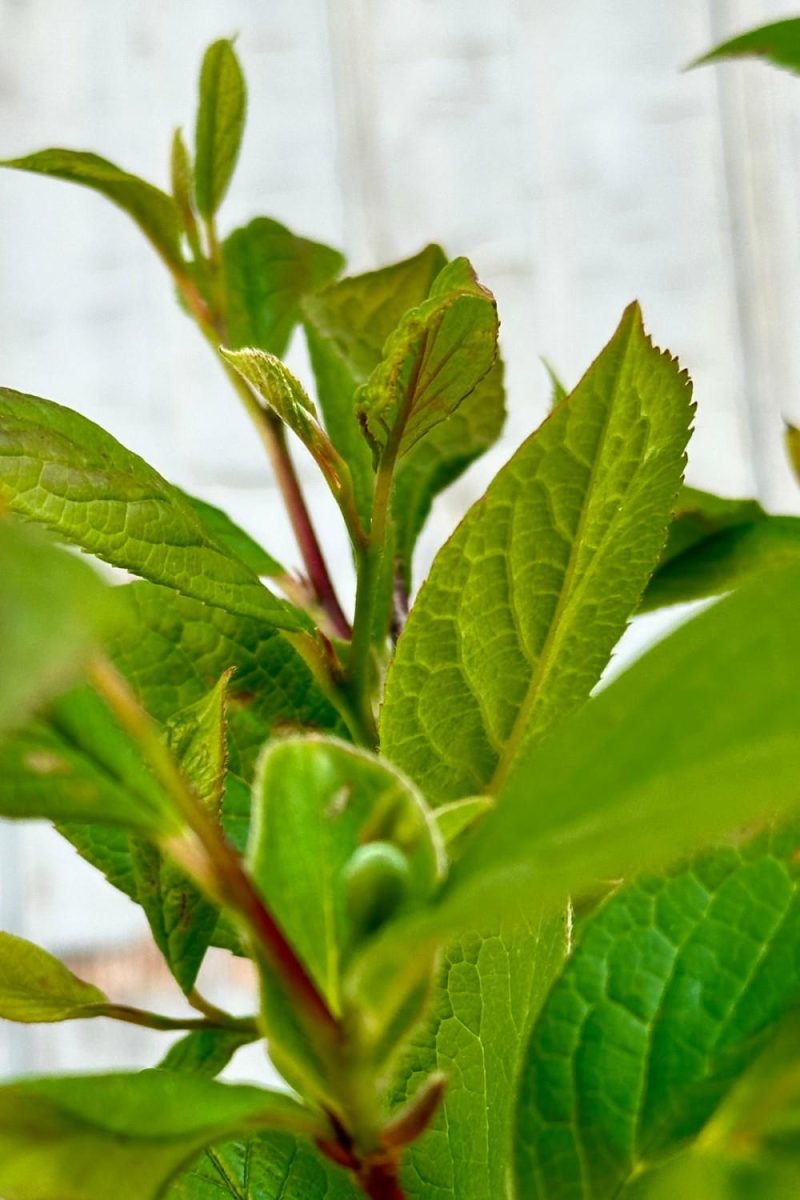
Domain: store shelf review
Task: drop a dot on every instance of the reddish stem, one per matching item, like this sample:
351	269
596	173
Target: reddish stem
379	1181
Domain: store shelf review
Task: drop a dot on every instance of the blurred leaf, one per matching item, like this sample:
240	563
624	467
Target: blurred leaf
60	469
524	604
154	211
268	1167
35	986
224	531
268	270
205	1051
779	43
77	1138
53	611
220	125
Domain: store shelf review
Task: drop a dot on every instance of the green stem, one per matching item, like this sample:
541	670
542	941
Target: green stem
370	576
151	1020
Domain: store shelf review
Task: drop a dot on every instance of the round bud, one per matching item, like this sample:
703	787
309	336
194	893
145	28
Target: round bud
377	879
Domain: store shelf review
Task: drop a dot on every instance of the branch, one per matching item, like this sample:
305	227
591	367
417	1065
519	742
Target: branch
151	1020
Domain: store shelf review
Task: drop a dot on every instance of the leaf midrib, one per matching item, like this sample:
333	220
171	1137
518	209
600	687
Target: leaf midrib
550	647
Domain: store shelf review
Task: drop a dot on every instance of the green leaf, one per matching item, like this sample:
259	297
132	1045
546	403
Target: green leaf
489	993
268	270
155	212
779	43
655	763
34	986
268	1167
181	918
227	533
220	125
725	561
317	801
60	469
673	987
457	820
698	515
347	326
182	179
438	354
524	604
53	613
281	392
205	1051
78	765
76	1138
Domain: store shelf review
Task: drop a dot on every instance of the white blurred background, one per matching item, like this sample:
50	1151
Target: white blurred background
559	145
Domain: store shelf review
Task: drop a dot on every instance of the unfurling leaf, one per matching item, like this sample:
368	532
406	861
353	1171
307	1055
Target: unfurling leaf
220	125
524	604
438	354
35	986
280	390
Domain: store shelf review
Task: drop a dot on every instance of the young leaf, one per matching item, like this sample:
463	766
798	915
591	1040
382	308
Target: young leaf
438	354
60	469
182	179
525	603
34	986
205	1051
626	1065
281	392
654	763
76	1138
155	212
778	42
220	125
53	612
317	802
268	270
270	1166
347	325
488	994
181	918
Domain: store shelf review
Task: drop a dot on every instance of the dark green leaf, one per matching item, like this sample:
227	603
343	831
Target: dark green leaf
220	125
78	1138
154	211
666	1000
778	42
488	995
268	1167
525	603
34	986
268	269
53	612
205	1051
60	469
347	326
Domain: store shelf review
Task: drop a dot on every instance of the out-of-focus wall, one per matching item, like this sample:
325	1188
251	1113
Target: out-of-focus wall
559	146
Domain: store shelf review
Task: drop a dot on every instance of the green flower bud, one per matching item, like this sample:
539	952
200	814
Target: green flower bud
377	879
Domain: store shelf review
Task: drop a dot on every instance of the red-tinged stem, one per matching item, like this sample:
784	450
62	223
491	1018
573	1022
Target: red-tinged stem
272	435
380	1182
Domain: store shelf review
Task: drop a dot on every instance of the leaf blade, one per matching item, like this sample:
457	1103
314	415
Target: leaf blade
35	986
220	125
